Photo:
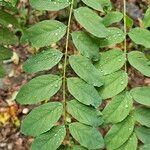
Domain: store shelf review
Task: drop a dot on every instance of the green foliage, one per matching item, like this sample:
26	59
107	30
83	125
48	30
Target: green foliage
140	36
146	19
83	92
84	114
44	33
107	60
39	89
51	139
123	130
42	119
87	136
141	95
86	45
7	37
100	68
131	143
140	62
120	103
143	134
82	66
114	36
142	116
99	5
52	5
112	17
118	79
86	17
43	61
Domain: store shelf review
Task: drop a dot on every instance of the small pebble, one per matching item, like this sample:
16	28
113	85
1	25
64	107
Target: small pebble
25	110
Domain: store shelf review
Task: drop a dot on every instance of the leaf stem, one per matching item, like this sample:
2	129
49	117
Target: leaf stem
65	60
125	29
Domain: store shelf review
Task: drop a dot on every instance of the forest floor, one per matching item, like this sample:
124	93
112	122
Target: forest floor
11	113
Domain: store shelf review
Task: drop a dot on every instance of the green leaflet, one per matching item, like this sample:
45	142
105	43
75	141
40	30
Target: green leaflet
50	140
113	84
87	136
87	18
143	134
2	71
84	114
52	5
43	61
140	62
120	103
44	33
141	95
76	147
110	61
115	35
145	147
112	17
83	92
130	144
39	89
7	19
119	133
129	22
99	5
142	115
146	20
7	37
42	119
85	69
5	53
140	36
86	45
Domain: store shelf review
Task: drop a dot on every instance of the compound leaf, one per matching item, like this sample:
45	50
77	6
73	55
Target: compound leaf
43	61
140	62
87	18
85	69
140	36
39	89
87	136
51	5
120	103
113	84
123	129
50	140
86	44
44	33
84	114
83	92
110	61
42	119
141	95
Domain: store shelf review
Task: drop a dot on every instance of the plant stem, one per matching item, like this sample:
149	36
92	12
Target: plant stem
65	60
125	29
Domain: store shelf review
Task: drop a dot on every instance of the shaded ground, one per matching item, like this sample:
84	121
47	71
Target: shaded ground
12	113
